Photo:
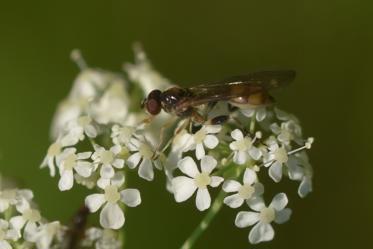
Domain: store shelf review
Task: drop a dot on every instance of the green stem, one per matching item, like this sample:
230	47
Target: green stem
204	224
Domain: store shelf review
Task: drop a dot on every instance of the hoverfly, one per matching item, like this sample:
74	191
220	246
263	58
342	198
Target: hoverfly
250	90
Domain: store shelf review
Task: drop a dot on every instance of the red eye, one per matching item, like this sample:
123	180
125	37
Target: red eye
153	102
153	106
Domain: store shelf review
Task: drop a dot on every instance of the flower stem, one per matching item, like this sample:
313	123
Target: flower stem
204	224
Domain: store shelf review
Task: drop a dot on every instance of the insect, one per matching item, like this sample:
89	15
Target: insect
250	90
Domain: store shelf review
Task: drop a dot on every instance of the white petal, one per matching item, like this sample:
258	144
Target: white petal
275	172
211	141
22	206
17	222
131	197
212	128
259	188
146	170
305	187
186	142
118	179
103	182
248	112
118	163
283	216
234	201
255	153
30	230
134	160
107	171
112	216
188	166
256	203
249	176
183	188
216	181
116	149
261	232
84	155
245	219
94	202
261	114
26	194
5	245
208	163
237	134
66	181
91	131
200	151
279	202
231	186
240	157
203	199
84	169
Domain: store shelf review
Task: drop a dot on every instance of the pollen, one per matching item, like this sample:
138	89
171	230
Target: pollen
111	194
146	151
202	180
107	157
281	155
267	215
246	191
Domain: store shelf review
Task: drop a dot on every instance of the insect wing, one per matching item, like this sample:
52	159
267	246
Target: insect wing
239	86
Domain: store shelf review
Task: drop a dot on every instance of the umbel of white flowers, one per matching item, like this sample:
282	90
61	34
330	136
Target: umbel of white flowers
99	135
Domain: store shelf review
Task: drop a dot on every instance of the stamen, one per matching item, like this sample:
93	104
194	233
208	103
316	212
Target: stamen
77	57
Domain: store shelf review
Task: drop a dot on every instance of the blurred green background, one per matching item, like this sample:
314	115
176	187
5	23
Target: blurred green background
329	44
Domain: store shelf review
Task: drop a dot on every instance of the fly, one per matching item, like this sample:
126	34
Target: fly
250	90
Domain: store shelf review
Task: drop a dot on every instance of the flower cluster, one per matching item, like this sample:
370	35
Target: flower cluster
21	224
101	133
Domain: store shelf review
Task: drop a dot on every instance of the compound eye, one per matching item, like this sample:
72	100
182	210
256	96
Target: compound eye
153	102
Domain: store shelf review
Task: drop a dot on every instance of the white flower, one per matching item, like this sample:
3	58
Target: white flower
259	112
276	158
12	196
111	215
102	239
70	161
29	219
143	152
122	134
78	128
289	131
45	234
184	187
180	142
112	107
6	235
263	217
107	159
54	152
243	148
143	73
67	110
7	198
203	138
249	189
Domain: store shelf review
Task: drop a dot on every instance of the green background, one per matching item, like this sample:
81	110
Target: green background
327	42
